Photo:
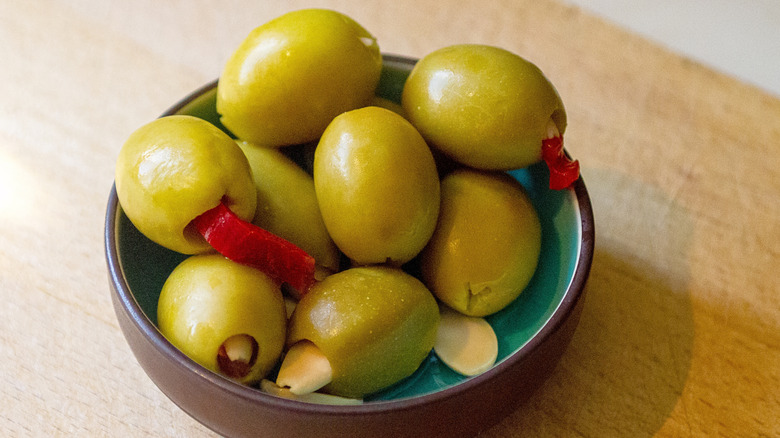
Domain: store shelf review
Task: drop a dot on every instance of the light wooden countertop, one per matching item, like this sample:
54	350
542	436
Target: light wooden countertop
680	333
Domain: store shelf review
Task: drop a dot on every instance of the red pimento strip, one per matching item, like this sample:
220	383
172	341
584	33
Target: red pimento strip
250	245
563	170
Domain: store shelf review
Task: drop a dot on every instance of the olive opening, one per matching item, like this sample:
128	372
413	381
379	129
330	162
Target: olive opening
191	232
192	235
237	355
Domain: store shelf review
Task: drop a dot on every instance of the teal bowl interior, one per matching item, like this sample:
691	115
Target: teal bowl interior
567	244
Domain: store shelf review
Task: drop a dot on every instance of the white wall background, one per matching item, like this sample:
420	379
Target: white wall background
737	37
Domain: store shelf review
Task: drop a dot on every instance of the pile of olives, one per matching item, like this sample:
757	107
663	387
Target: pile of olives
405	207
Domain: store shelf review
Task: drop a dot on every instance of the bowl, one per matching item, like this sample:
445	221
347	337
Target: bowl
533	331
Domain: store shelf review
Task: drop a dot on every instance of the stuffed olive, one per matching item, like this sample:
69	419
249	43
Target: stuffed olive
483	106
375	325
175	168
227	317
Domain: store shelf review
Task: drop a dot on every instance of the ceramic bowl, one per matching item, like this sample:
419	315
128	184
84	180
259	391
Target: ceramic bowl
533	331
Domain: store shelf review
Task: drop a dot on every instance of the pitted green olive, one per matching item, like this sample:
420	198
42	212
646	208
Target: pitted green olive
486	245
483	106
292	75
173	169
377	186
225	316
375	325
287	205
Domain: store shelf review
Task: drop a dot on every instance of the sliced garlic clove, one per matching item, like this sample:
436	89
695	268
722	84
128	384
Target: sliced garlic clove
239	348
467	344
304	369
312	397
552	130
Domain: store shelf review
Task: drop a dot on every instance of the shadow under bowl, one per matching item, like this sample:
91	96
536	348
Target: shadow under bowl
533	331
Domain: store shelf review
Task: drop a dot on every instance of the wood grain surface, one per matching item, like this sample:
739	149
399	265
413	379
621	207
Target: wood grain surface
680	334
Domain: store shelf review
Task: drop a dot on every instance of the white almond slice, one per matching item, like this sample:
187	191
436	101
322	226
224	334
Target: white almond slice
312	397
304	369
467	344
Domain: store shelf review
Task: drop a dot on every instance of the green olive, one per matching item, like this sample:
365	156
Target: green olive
292	75
374	324
287	205
175	168
208	300
486	245
483	106
377	186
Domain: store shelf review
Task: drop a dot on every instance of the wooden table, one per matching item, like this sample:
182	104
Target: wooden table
680	334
